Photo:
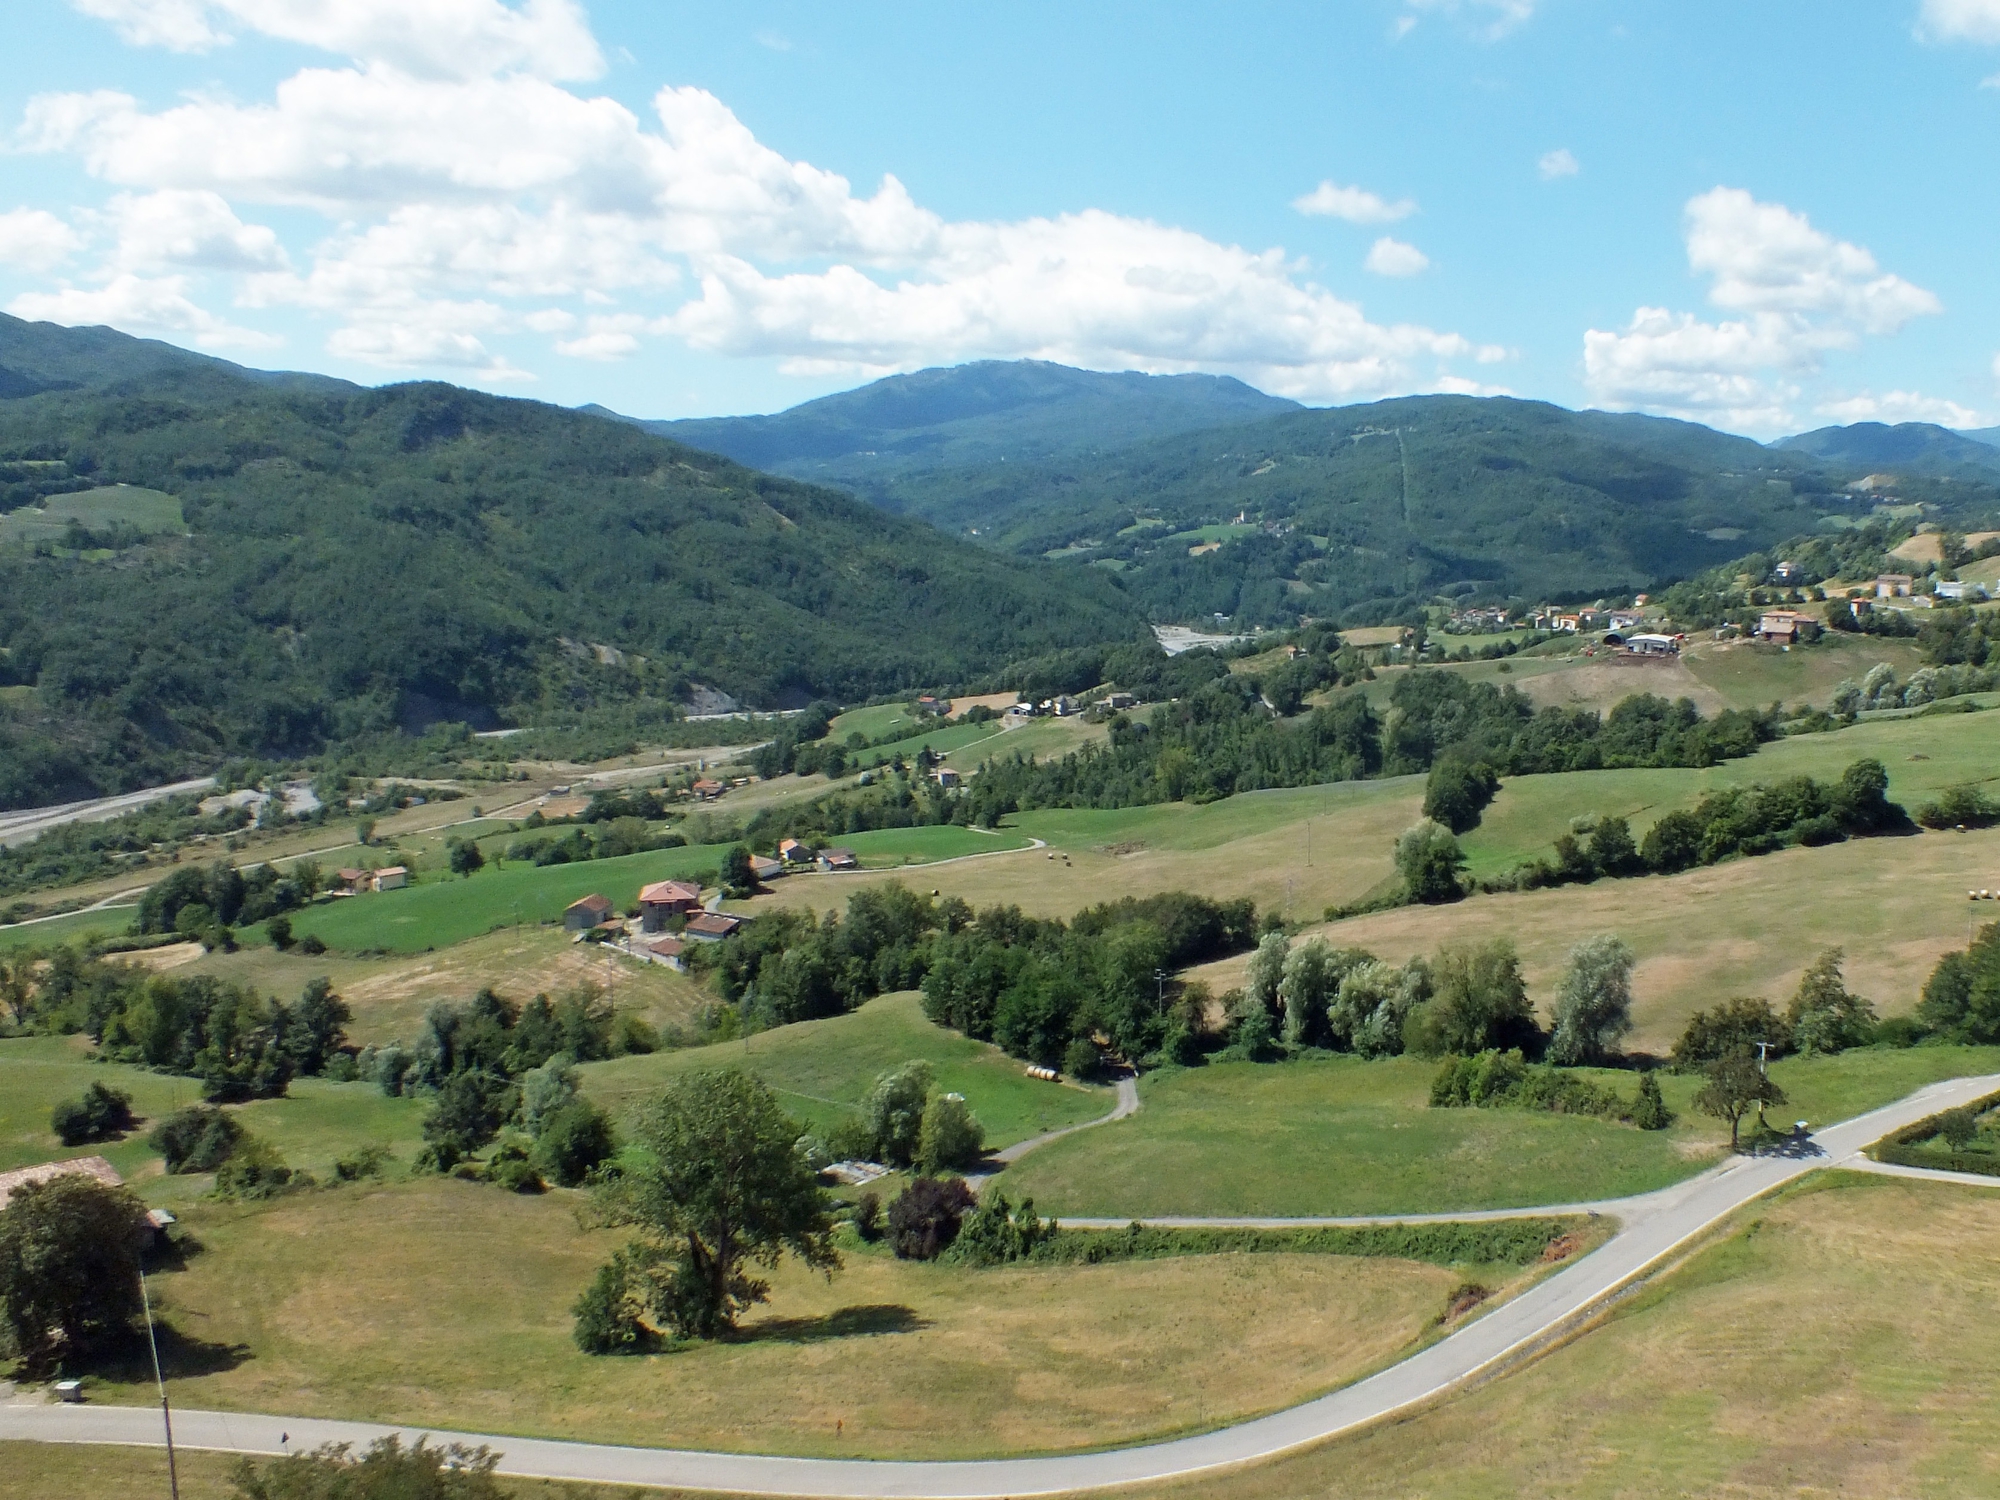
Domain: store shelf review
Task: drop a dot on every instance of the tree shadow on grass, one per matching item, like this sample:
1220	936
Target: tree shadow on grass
845	1323
182	1357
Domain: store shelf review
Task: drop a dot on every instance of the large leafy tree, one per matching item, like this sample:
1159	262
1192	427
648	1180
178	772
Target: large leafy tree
1594	1000
1736	1085
718	1189
69	1265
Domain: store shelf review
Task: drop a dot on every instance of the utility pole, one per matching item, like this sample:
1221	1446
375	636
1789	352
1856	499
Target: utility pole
1763	1059
160	1380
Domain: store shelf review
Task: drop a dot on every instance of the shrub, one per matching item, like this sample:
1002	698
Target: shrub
1080	1057
1959	805
386	1470
1733	1025
511	1169
359	1165
279	931
1649	1111
925	1218
311	945
868	1217
574	1140
99	1115
199	1138
894	1110
950	1136
255	1171
607	1312
1429	860
1958	1127
996	1234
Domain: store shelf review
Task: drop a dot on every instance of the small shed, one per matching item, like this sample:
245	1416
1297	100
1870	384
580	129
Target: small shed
838	859
581	916
712	926
394	878
762	868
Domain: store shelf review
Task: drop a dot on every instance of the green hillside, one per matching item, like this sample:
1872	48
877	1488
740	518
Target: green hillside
1922	448
359	559
1365	510
987	412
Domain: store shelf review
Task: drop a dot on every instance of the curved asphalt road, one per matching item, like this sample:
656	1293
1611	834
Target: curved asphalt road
1654	1226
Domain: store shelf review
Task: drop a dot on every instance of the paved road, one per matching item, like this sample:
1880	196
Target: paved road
1653	1227
33	822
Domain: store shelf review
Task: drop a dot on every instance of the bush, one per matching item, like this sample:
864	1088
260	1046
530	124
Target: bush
199	1138
1734	1025
994	1234
359	1165
1959	805
101	1114
255	1171
1080	1057
279	931
1649	1111
868	1217
925	1218
894	1110
387	1471
1429	860
1958	1127
574	1140
311	945
512	1170
950	1136
607	1312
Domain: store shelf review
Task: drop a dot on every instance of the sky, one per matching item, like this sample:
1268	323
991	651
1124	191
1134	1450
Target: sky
1763	217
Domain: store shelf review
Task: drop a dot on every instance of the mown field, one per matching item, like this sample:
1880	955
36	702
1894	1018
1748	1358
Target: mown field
822	1069
1836	1340
439	1302
1342	1136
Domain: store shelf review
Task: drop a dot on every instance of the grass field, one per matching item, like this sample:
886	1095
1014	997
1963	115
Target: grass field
65	1471
364	1303
1038	739
941	739
873	723
83	924
1342	1136
148	511
822	1069
1838	1341
315	1123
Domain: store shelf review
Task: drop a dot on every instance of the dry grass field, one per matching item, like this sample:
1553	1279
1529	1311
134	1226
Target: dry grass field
1748	927
446	1303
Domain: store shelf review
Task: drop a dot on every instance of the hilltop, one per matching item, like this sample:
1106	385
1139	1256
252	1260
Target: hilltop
348	560
973	415
1921	448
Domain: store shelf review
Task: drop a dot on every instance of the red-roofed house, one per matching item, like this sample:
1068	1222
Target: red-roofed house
581	916
712	926
666	898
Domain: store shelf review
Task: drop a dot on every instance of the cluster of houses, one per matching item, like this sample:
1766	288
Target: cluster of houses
1059	707
361	882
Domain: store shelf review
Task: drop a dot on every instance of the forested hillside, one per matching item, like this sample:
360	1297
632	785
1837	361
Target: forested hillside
1918	448
986	413
1361	512
354	559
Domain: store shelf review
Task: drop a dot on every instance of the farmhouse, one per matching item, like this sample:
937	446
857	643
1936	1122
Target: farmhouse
394	878
1952	588
947	778
666	898
1624	619
763	868
350	882
1785	625
792	852
1893	585
838	859
1118	701
581	916
708	789
930	704
1787	572
712	926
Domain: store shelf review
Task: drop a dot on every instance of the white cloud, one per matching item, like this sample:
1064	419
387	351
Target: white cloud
194	229
36	240
440	38
776	41
1355	205
141	304
1799	293
1560	162
1489	20
1392	257
1899	406
450	198
1960	20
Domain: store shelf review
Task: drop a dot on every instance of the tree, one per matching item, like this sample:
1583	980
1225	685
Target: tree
574	1139
99	1115
17	985
924	1218
1649	1110
1735	1024
387	1471
1080	1057
364	832
736	873
198	1138
69	1265
950	1137
1312	975
1456	793
279	930
717	1187
1824	1016
1593	1002
468	1112
1736	1085
1267	973
1429	859
464	856
1479	1004
894	1112
319	1026
1611	848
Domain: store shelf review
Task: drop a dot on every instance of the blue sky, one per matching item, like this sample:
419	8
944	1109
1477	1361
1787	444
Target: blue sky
1767	217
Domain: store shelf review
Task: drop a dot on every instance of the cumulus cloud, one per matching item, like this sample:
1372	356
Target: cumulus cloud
1355	205
1799	293
474	200
1392	257
1899	406
1560	162
143	305
1960	20
443	38
36	240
